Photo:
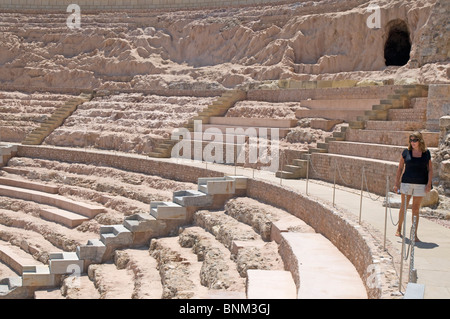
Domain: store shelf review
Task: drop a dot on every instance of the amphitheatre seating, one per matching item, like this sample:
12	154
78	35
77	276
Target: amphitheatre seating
57	208
132	122
217	108
34	109
61	202
57	118
114	240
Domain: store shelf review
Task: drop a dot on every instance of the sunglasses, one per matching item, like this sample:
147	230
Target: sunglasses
414	140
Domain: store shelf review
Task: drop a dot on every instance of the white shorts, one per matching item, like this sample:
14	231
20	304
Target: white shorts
413	189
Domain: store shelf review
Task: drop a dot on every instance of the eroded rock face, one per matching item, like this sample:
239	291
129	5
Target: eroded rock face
215	49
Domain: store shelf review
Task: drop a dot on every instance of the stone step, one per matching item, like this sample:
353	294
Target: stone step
399	138
321	270
16	259
253	122
191	198
221	185
407	115
167	210
246	246
395	125
249	131
270	284
292	168
369	150
344	115
29	185
93	251
61	263
140	222
325	125
226	138
115	234
59	201
288	175
63	217
38	276
340	104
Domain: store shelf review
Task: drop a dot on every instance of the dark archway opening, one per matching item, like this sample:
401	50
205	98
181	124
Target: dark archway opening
397	48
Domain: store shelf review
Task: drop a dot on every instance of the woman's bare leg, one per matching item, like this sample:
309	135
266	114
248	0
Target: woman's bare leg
417	201
401	215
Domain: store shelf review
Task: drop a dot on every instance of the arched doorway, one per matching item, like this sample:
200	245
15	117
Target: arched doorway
397	48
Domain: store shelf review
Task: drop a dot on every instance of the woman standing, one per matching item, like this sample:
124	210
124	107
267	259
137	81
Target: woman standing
416	172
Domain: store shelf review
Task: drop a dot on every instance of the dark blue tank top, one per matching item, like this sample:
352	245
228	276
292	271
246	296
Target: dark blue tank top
416	168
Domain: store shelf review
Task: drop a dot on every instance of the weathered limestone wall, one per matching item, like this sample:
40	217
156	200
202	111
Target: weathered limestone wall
130	4
433	44
137	163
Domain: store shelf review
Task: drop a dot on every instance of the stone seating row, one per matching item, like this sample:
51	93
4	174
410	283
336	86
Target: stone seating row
210	191
55	207
114	236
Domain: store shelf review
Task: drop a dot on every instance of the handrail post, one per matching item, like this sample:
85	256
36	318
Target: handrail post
387	202
307	174
412	277
360	200
334	181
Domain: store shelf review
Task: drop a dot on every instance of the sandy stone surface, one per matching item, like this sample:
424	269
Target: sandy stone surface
216	49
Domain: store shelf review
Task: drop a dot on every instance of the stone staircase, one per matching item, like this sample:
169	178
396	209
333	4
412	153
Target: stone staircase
217	108
163	219
38	135
381	134
55	207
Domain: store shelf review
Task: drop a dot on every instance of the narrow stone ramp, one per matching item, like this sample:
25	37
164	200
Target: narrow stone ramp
219	271
112	283
320	270
147	281
179	269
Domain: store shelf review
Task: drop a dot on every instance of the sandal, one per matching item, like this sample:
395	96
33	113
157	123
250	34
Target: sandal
398	234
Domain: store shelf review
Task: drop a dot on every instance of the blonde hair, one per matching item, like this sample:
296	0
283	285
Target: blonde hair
419	136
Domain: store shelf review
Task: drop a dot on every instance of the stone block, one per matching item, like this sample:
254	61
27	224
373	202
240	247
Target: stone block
92	251
167	210
140	223
188	198
63	217
115	234
216	185
38	276
65	263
